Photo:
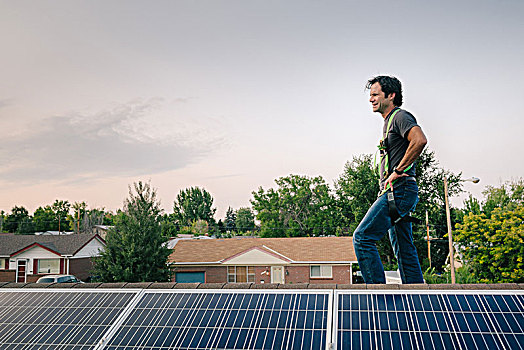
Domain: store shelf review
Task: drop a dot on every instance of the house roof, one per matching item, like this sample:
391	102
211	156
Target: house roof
300	249
63	245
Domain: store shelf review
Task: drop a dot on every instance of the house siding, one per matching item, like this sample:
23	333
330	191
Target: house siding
295	274
81	268
93	248
214	274
7	275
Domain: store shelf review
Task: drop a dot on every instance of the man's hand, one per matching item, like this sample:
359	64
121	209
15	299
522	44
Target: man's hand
394	176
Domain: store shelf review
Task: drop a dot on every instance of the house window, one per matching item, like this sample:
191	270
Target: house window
2	264
49	266
240	274
321	271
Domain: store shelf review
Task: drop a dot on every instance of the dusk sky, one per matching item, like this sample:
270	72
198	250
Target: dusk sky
230	95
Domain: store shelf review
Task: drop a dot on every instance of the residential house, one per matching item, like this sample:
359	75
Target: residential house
25	258
314	260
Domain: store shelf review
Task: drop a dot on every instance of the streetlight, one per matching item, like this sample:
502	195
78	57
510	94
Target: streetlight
475	180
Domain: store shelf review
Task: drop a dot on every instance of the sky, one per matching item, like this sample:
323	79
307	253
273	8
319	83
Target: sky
229	95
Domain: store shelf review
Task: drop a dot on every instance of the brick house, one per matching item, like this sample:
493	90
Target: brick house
25	258
313	260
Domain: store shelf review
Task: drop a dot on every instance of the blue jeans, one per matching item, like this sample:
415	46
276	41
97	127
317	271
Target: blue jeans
373	227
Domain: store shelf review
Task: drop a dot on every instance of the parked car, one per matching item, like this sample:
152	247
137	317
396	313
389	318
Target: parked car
59	279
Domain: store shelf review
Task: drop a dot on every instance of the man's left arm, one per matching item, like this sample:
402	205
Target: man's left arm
417	142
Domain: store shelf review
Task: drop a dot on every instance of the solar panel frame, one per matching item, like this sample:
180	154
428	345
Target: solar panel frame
39	317
230	309
442	318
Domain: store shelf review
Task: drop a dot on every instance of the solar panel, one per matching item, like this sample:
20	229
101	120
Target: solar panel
260	319
58	319
226	319
429	319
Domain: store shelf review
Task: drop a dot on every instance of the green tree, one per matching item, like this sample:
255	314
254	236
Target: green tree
200	227
61	209
493	244
509	196
45	219
356	190
17	221
472	205
26	226
136	250
169	226
245	220
220	229
91	218
300	206
2	220
75	220
193	204
230	221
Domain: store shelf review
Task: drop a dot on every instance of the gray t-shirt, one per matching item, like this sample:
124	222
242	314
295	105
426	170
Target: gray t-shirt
397	142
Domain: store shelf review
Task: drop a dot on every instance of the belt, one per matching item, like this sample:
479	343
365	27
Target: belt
393	211
408	178
399	181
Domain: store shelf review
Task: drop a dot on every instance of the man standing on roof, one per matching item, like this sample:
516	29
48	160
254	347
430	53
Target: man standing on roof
402	143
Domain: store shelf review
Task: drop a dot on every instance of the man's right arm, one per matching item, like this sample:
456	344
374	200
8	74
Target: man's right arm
417	142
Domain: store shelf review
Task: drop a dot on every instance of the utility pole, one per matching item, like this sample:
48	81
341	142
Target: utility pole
429	245
450	236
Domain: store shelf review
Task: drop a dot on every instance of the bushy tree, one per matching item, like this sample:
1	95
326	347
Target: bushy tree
193	204
2	220
356	190
493	244
491	239
509	195
75	220
45	219
92	218
136	250
230	221
61	209
300	206
169	226
19	221
245	220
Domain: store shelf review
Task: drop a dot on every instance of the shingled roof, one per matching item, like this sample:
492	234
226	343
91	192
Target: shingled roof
63	244
300	249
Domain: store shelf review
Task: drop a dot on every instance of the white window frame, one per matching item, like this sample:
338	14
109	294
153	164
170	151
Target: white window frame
45	272
326	271
234	275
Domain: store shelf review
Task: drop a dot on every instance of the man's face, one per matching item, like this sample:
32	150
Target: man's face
378	99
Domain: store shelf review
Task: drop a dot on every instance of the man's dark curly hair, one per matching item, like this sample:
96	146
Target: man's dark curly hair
388	85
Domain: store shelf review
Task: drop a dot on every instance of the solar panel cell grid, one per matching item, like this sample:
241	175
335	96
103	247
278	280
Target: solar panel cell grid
57	320
205	320
429	321
44	319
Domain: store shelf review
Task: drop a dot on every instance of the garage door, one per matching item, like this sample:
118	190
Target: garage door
190	277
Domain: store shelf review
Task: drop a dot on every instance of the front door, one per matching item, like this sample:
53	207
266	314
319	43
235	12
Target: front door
277	274
21	270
